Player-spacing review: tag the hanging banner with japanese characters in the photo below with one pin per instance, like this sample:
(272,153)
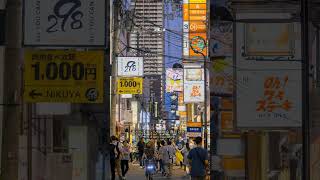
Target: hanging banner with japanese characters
(269,99)
(174,79)
(64,23)
(193,85)
(63,76)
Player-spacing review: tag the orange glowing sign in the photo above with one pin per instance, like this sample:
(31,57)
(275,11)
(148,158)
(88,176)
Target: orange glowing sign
(197,18)
(197,12)
(274,95)
(197,1)
(197,27)
(194,124)
(198,44)
(195,21)
(197,6)
(185,12)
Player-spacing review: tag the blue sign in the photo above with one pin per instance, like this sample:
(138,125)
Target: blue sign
(193,129)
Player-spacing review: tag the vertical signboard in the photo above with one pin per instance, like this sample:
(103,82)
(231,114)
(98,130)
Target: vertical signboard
(64,23)
(174,79)
(194,28)
(269,87)
(193,85)
(130,66)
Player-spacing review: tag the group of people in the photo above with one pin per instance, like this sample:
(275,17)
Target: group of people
(192,157)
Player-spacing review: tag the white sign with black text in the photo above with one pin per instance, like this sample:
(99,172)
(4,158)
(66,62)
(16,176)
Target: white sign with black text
(130,66)
(64,23)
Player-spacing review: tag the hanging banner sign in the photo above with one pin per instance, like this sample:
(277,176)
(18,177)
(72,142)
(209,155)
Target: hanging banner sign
(63,76)
(130,66)
(130,85)
(64,23)
(193,85)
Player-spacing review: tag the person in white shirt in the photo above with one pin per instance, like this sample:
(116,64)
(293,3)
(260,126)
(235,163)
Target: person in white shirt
(125,151)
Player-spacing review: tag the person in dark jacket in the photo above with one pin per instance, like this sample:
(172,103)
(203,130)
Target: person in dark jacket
(115,158)
(141,146)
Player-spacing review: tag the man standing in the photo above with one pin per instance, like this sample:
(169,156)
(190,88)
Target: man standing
(198,160)
(141,146)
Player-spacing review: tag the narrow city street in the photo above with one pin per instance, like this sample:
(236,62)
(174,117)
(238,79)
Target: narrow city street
(229,88)
(135,172)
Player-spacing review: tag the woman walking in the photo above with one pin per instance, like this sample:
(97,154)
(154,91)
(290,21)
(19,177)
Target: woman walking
(185,151)
(125,158)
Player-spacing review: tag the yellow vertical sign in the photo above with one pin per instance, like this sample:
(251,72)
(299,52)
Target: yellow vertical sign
(63,76)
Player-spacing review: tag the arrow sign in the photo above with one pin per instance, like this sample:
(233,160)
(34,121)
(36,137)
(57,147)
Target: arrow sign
(33,94)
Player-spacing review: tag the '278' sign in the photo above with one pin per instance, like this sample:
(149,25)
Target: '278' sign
(64,23)
(130,66)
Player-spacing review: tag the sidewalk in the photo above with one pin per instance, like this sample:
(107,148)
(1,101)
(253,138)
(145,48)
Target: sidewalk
(136,173)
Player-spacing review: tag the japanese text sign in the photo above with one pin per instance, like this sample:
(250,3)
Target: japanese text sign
(130,85)
(269,99)
(64,76)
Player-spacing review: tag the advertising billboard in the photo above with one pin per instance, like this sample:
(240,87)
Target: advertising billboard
(64,23)
(174,79)
(63,76)
(130,85)
(269,99)
(195,28)
(194,85)
(130,66)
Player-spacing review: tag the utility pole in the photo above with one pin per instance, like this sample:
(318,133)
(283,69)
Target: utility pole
(205,104)
(305,88)
(12,90)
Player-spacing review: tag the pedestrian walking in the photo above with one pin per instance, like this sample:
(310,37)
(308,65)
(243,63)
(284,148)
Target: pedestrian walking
(115,154)
(141,146)
(185,152)
(170,152)
(198,160)
(125,158)
(161,156)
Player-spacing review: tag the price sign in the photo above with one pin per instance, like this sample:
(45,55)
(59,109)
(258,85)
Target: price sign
(64,22)
(130,85)
(64,76)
